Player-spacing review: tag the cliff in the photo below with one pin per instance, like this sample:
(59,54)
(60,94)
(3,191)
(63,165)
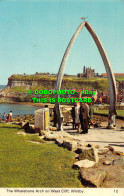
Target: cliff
(30,80)
(18,85)
(47,82)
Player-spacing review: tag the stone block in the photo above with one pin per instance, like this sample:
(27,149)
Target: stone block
(92,177)
(70,145)
(80,149)
(59,141)
(90,154)
(102,151)
(23,123)
(42,118)
(52,128)
(107,162)
(84,163)
(110,148)
(97,146)
(49,136)
(119,161)
(118,153)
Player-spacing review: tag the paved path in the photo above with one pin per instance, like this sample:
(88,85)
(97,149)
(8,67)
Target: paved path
(100,136)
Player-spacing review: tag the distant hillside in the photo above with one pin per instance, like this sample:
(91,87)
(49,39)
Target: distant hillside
(19,85)
(23,82)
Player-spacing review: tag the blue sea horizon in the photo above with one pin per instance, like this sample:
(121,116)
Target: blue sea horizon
(2,86)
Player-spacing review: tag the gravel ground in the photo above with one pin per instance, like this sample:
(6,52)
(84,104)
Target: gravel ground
(101,136)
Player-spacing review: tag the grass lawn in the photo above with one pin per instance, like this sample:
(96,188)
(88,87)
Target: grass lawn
(26,164)
(119,112)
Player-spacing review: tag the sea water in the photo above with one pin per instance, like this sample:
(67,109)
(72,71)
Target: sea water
(17,109)
(2,86)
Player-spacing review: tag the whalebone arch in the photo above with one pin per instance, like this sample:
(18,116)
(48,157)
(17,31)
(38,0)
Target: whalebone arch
(111,78)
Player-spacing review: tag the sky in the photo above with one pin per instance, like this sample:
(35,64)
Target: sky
(34,35)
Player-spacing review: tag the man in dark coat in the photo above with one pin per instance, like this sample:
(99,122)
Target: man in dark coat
(84,117)
(55,117)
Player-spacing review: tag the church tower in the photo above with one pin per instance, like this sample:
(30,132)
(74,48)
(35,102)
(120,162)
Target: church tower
(84,69)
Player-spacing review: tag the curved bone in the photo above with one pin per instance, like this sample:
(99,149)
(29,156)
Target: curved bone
(61,71)
(111,79)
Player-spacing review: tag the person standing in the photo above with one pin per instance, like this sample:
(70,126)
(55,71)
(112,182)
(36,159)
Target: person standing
(10,116)
(73,116)
(4,116)
(84,117)
(77,114)
(91,112)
